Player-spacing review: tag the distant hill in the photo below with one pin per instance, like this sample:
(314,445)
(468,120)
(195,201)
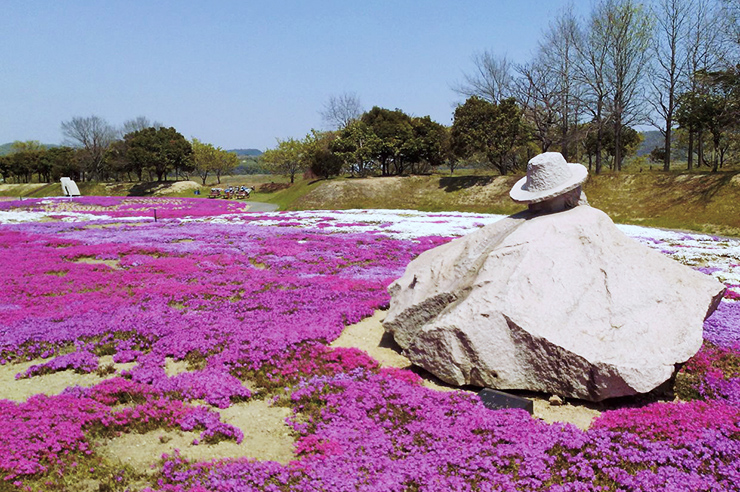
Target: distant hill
(5,148)
(247,152)
(652,139)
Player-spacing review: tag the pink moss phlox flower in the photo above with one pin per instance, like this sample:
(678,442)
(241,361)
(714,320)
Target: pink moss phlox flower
(81,361)
(722,328)
(37,434)
(262,295)
(659,421)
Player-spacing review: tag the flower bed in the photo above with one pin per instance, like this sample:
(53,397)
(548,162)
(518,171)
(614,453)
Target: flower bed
(250,303)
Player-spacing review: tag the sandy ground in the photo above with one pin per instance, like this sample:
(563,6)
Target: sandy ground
(49,384)
(370,336)
(21,189)
(266,437)
(266,434)
(176,187)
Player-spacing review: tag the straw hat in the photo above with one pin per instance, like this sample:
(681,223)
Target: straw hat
(548,176)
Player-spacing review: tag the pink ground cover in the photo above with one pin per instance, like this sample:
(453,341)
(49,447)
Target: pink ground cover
(114,206)
(259,301)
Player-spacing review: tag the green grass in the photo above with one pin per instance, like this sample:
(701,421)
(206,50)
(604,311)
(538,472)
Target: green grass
(699,201)
(283,198)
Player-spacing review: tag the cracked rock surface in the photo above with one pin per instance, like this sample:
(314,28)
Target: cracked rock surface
(563,303)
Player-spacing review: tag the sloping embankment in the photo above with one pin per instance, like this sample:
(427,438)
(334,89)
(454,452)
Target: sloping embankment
(702,202)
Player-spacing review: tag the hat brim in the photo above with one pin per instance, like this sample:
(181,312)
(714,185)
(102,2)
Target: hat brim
(521,195)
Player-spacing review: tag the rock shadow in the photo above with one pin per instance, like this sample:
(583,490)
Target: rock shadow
(457,183)
(145,189)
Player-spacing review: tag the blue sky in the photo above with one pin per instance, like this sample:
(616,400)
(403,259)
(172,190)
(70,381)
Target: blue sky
(240,74)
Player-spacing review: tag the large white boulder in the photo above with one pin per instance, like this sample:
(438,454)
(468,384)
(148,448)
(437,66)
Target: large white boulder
(562,303)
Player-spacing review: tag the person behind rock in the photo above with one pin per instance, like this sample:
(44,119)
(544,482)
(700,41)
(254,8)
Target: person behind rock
(553,299)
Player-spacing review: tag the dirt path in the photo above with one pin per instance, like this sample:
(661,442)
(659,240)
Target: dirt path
(262,207)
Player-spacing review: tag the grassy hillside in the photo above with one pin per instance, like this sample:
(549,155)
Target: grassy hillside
(701,202)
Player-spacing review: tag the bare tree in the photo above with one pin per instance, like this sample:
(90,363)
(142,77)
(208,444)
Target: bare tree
(339,111)
(731,14)
(557,53)
(139,123)
(592,45)
(668,70)
(706,48)
(93,135)
(537,91)
(627,57)
(492,80)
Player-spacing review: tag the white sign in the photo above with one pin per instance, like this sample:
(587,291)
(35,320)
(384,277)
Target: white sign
(69,187)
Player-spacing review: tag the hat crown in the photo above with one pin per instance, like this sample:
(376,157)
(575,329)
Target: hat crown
(546,171)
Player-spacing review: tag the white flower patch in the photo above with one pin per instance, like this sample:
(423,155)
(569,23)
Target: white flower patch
(719,257)
(20,216)
(399,224)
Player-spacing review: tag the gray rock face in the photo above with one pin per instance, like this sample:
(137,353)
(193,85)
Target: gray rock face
(563,303)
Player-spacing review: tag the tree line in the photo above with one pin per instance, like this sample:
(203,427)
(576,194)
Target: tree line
(97,151)
(668,63)
(671,64)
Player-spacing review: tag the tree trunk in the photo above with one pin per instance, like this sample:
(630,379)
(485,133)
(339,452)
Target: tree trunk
(690,163)
(667,147)
(599,136)
(618,144)
(715,157)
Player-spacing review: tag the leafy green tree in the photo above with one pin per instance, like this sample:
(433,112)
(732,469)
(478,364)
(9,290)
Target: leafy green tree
(657,155)
(630,142)
(5,163)
(62,162)
(117,160)
(393,130)
(318,156)
(205,158)
(492,129)
(355,145)
(429,146)
(225,163)
(25,159)
(26,146)
(702,112)
(285,159)
(158,151)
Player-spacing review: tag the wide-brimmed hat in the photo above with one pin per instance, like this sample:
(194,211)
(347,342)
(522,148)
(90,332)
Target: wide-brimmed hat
(548,176)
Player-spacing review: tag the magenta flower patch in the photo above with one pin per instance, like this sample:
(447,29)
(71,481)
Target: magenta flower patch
(247,304)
